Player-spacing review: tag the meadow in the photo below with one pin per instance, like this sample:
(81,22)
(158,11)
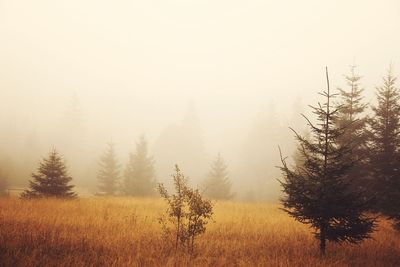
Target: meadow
(126,232)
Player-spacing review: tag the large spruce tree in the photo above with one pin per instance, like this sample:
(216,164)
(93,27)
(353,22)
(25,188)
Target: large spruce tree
(217,185)
(351,116)
(51,179)
(108,174)
(384,144)
(139,176)
(318,193)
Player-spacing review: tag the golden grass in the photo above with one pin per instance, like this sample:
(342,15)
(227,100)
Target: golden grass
(125,232)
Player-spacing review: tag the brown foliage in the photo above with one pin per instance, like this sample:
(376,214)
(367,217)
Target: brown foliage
(188,212)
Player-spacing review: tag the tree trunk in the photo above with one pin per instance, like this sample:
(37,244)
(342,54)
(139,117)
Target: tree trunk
(192,245)
(178,229)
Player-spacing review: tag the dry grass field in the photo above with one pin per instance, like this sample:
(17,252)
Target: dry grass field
(125,232)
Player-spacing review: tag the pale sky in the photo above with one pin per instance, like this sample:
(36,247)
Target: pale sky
(136,65)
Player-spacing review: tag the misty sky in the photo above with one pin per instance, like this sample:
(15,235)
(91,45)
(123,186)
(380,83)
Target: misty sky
(136,66)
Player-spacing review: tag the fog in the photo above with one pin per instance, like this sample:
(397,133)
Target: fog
(197,78)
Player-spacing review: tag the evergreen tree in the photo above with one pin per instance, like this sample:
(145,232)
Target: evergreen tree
(108,174)
(296,122)
(384,147)
(139,173)
(351,116)
(298,154)
(319,194)
(182,142)
(51,180)
(217,185)
(258,161)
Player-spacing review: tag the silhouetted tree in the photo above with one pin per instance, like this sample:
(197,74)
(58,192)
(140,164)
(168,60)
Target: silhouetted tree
(139,173)
(319,194)
(217,185)
(384,144)
(108,174)
(351,116)
(75,144)
(296,122)
(182,142)
(51,180)
(298,155)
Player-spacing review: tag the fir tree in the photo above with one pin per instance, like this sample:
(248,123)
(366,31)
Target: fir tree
(258,160)
(139,173)
(319,194)
(51,179)
(298,154)
(384,147)
(351,116)
(108,174)
(217,185)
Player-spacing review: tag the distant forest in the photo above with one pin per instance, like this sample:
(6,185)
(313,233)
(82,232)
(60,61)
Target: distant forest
(372,131)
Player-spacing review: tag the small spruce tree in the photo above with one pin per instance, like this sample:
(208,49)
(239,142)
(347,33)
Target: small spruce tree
(51,179)
(318,194)
(108,174)
(217,185)
(139,173)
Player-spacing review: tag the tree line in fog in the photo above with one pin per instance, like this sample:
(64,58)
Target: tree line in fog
(137,177)
(345,172)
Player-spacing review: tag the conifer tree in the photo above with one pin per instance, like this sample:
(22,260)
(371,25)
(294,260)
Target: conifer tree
(319,194)
(298,154)
(384,144)
(51,179)
(139,176)
(217,185)
(351,116)
(108,174)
